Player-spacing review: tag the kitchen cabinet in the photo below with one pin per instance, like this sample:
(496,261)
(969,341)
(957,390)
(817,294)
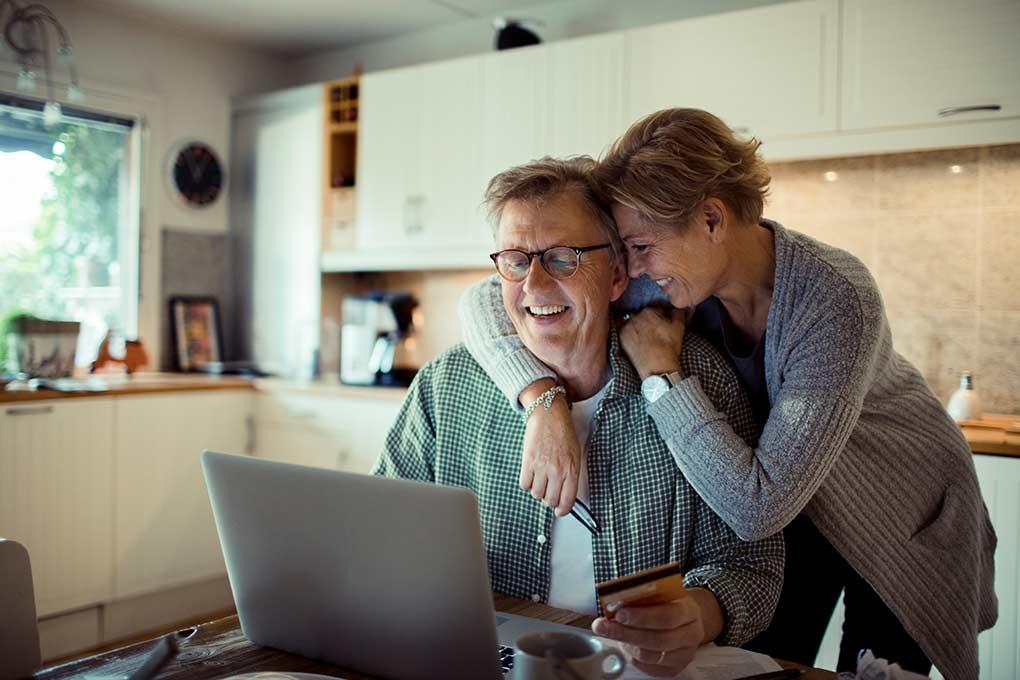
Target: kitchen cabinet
(908,62)
(164,532)
(389,210)
(56,496)
(999,477)
(585,95)
(277,212)
(323,429)
(770,72)
(514,105)
(450,183)
(420,186)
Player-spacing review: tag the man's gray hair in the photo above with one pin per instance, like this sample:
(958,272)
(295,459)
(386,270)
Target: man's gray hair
(546,178)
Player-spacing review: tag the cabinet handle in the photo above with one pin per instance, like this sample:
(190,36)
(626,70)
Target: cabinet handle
(954,110)
(249,444)
(30,411)
(413,217)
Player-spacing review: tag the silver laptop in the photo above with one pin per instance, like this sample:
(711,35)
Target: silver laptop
(382,576)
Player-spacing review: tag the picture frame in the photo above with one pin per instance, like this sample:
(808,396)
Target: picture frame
(196,331)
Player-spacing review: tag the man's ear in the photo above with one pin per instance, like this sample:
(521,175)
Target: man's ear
(715,218)
(619,280)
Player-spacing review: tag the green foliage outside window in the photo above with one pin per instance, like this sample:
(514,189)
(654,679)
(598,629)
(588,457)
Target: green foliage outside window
(74,247)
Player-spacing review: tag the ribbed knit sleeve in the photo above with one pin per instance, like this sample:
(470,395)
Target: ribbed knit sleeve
(826,359)
(492,340)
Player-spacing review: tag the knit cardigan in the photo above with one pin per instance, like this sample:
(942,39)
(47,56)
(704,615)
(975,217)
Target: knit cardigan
(854,438)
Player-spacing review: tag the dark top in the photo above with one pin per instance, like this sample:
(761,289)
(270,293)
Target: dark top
(712,322)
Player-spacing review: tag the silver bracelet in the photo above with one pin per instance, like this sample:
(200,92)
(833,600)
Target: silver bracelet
(545,399)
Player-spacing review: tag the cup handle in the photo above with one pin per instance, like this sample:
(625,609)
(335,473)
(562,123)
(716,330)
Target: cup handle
(621,663)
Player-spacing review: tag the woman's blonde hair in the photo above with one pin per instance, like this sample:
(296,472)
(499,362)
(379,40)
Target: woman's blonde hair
(669,162)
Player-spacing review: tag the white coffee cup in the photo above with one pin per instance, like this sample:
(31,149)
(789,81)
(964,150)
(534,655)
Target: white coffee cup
(564,656)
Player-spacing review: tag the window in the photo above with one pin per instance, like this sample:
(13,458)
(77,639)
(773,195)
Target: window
(69,220)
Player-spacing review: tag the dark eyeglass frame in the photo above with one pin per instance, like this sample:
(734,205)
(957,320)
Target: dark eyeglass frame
(541,258)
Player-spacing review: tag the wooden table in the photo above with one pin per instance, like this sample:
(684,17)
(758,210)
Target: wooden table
(219,649)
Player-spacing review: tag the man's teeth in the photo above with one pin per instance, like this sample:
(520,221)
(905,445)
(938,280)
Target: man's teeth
(662,282)
(547,311)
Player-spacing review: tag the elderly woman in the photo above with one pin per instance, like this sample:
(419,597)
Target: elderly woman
(857,462)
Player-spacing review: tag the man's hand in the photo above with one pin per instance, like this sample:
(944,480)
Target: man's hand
(663,639)
(550,461)
(652,340)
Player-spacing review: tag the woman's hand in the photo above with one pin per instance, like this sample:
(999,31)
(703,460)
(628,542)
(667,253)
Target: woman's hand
(551,459)
(663,639)
(652,339)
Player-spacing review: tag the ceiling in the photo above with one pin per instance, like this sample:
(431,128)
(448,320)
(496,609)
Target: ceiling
(300,27)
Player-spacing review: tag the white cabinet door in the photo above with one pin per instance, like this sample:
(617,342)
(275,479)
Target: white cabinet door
(55,496)
(323,430)
(513,108)
(586,95)
(999,477)
(164,531)
(295,427)
(906,60)
(280,197)
(768,72)
(449,157)
(390,205)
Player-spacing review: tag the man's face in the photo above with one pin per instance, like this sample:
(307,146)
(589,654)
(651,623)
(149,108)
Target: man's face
(558,319)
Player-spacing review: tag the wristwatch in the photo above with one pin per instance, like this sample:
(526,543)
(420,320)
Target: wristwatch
(654,386)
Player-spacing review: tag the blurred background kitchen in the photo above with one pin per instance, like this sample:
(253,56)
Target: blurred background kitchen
(268,189)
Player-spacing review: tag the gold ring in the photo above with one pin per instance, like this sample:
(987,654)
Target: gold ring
(661,657)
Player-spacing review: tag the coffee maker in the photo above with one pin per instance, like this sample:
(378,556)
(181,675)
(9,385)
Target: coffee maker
(374,339)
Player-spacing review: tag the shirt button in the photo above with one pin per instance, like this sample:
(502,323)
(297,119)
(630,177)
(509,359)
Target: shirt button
(542,539)
(536,598)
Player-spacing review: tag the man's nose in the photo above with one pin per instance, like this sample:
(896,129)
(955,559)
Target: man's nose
(538,278)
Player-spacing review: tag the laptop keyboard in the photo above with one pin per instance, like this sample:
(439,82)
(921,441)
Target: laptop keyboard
(506,658)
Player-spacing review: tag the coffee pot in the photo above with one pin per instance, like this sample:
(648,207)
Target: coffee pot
(374,338)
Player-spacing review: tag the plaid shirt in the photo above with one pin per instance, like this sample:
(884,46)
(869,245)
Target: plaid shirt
(456,428)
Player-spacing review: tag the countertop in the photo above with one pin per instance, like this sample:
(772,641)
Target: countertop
(128,385)
(993,434)
(153,382)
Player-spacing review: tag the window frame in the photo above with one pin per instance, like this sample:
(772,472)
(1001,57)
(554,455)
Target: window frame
(141,191)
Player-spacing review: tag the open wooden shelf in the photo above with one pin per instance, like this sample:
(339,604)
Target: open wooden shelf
(340,131)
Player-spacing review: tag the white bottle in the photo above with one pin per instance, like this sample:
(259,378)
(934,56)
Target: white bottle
(964,403)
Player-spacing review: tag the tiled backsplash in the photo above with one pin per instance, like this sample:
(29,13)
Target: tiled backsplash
(939,230)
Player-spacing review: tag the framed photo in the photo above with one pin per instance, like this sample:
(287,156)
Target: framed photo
(195,327)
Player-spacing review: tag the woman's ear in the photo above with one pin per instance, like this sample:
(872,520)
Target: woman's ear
(716,219)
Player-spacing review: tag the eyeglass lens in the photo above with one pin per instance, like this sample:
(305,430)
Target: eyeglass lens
(560,263)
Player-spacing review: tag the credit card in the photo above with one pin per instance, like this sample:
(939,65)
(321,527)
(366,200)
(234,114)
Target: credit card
(657,585)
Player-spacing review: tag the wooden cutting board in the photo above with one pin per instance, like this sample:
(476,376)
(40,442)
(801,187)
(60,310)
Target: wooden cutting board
(993,433)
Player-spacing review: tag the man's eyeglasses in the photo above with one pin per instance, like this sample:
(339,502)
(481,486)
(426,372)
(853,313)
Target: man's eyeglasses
(560,262)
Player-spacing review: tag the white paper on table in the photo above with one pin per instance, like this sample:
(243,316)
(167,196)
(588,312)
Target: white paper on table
(712,663)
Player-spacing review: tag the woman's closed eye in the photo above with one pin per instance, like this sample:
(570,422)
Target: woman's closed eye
(638,247)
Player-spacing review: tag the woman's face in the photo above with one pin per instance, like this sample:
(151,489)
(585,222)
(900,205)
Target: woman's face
(687,263)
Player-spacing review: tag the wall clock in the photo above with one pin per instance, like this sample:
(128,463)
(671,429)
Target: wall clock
(196,175)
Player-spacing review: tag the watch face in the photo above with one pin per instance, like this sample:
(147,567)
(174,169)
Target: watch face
(654,386)
(197,174)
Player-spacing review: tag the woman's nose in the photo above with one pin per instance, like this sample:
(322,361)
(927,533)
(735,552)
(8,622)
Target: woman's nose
(635,267)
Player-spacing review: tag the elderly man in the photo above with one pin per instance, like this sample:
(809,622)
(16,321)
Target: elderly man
(561,267)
